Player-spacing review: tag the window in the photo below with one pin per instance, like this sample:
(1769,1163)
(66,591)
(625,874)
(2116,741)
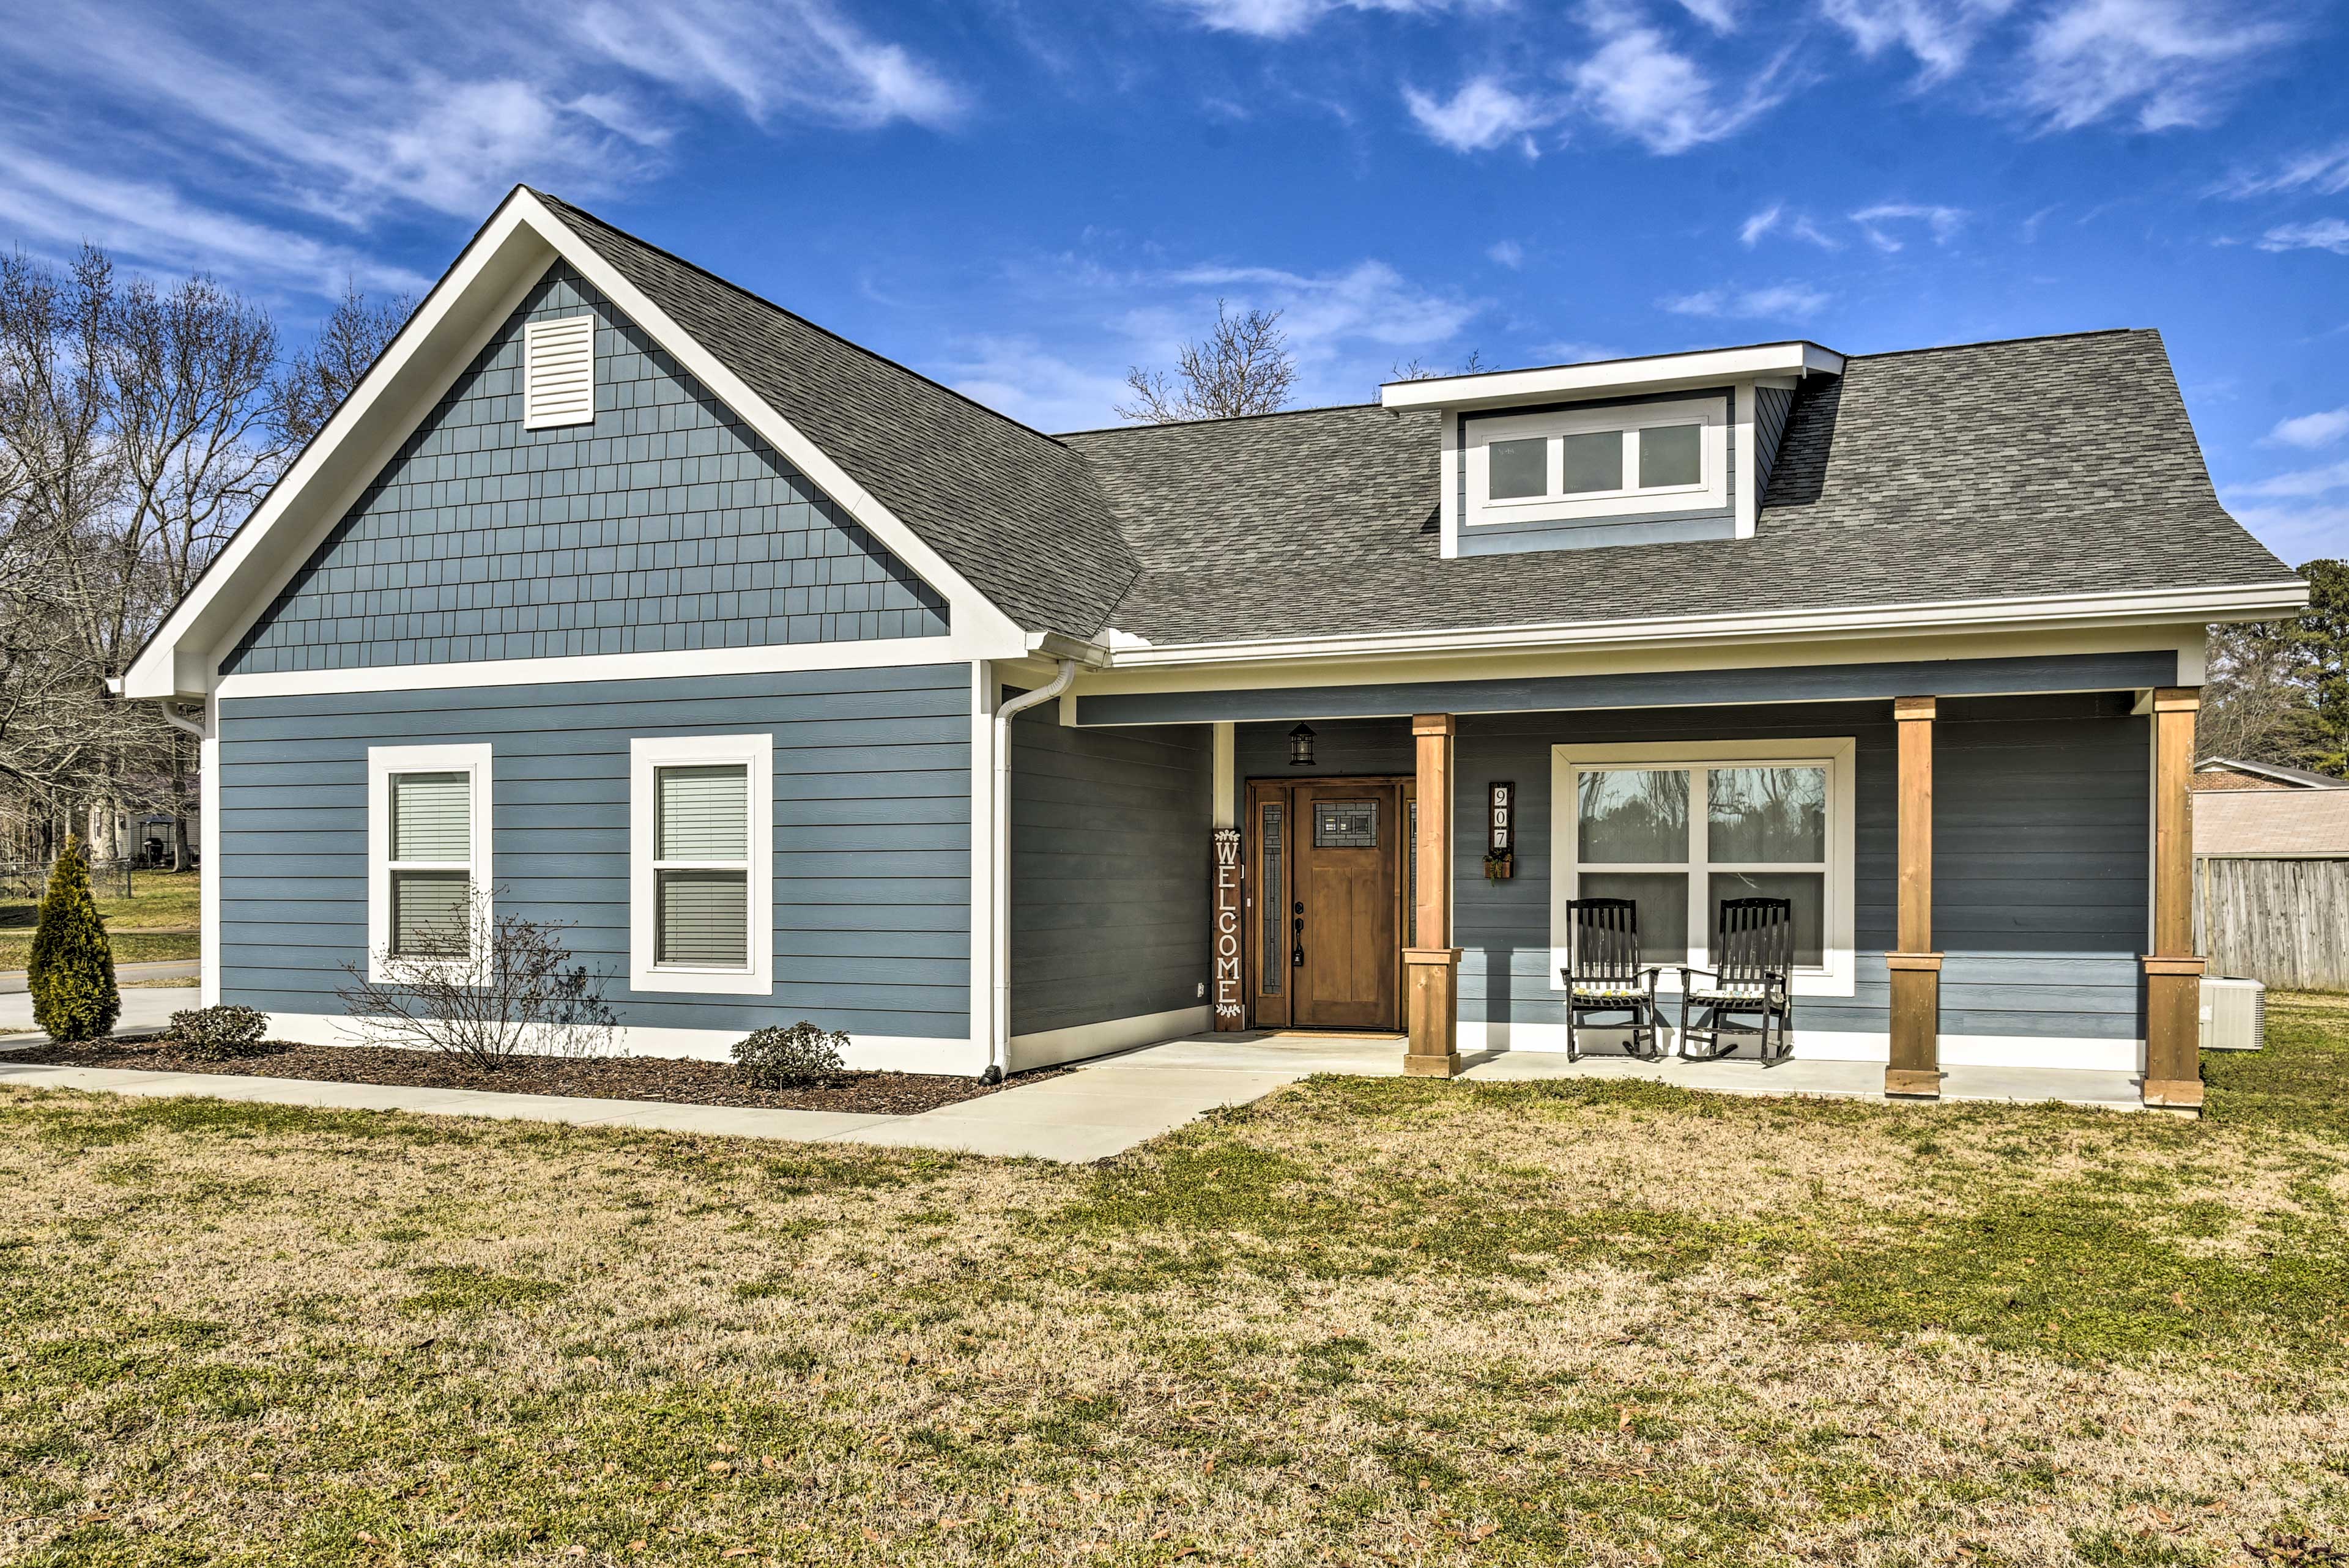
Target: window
(1599,464)
(1346,824)
(702,864)
(428,850)
(1679,829)
(558,372)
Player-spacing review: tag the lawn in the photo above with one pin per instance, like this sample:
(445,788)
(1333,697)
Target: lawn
(158,920)
(1362,1321)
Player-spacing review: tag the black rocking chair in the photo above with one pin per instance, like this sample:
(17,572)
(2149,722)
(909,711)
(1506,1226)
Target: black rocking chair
(1604,975)
(1754,949)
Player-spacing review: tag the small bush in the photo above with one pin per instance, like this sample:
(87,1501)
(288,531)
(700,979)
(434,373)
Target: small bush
(71,971)
(219,1033)
(789,1058)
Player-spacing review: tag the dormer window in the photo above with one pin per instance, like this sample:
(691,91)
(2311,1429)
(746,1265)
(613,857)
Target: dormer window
(1605,463)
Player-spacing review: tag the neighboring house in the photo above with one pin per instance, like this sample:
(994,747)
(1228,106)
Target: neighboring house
(604,548)
(2221,773)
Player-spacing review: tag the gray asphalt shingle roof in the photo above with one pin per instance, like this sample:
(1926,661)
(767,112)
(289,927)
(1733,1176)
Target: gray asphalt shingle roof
(1014,511)
(2043,466)
(2026,468)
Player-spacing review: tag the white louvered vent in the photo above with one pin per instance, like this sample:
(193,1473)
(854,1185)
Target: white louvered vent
(558,376)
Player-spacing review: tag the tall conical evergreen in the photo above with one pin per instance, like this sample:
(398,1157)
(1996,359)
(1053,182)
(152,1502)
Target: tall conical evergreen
(71,976)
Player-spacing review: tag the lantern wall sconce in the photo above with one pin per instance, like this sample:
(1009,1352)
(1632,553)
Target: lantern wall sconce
(1300,746)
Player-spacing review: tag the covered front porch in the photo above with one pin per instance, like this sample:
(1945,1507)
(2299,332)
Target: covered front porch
(1985,861)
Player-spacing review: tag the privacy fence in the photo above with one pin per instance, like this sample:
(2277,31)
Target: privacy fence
(2283,922)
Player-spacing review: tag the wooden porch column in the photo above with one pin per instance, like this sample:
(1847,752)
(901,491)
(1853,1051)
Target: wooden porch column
(2173,975)
(1916,1067)
(1431,961)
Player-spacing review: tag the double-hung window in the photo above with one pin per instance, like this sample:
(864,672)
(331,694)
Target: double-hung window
(1679,829)
(428,853)
(702,864)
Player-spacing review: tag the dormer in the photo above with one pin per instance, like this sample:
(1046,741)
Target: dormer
(1654,450)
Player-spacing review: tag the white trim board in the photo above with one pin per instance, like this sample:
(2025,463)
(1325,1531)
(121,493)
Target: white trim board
(866,1053)
(488,281)
(1048,1048)
(876,652)
(1843,1046)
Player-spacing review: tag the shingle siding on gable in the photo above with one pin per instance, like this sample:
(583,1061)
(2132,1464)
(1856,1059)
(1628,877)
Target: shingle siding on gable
(1770,407)
(666,525)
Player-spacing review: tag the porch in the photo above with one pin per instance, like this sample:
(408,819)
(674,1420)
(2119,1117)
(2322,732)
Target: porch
(1415,870)
(1295,1055)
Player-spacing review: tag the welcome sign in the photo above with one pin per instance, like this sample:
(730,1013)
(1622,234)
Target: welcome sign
(1231,1012)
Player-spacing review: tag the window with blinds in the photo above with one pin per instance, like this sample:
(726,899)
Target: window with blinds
(701,866)
(431,863)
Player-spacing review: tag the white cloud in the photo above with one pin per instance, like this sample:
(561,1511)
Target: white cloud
(2324,172)
(1481,116)
(1288,18)
(1507,253)
(2300,483)
(2311,431)
(2298,533)
(272,116)
(1774,219)
(1795,301)
(1940,34)
(2158,63)
(1721,16)
(1639,85)
(1369,302)
(2320,235)
(799,58)
(1015,375)
(1749,234)
(1572,352)
(1874,223)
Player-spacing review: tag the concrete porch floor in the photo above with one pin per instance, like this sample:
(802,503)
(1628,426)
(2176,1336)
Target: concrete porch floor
(1298,1054)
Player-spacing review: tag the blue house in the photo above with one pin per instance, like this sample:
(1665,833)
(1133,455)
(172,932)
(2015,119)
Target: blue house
(801,687)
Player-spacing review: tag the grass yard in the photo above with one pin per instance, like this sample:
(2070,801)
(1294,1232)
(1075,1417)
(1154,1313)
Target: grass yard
(1362,1322)
(158,920)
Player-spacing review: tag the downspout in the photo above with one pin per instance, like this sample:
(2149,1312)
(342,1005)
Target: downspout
(999,1033)
(170,708)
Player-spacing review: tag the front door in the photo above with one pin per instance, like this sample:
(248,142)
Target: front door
(1345,908)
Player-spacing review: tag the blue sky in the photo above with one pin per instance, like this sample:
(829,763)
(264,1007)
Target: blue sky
(1023,198)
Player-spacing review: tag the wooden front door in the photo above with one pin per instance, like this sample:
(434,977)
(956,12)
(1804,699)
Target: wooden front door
(1326,858)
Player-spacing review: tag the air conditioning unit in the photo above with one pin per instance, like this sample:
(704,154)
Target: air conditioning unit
(2234,1014)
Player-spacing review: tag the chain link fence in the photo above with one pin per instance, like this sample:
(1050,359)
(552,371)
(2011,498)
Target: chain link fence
(30,879)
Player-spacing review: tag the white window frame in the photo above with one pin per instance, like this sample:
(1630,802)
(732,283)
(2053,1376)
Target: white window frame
(1835,977)
(1711,415)
(385,763)
(562,335)
(647,754)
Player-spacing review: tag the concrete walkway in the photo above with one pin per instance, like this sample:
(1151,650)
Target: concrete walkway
(145,1008)
(12,981)
(1103,1109)
(1082,1116)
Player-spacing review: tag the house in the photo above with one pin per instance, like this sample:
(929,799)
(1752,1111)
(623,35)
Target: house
(2220,773)
(803,686)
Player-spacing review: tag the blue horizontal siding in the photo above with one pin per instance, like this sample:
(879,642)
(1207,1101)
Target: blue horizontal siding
(2039,842)
(872,835)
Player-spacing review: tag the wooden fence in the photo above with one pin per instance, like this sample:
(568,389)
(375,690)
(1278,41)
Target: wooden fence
(2283,922)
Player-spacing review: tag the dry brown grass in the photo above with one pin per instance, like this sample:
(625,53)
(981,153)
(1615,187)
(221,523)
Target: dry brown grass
(1362,1322)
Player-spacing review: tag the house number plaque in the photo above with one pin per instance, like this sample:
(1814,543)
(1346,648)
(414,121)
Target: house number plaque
(1500,831)
(1230,1012)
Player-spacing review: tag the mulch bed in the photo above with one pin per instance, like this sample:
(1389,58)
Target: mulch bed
(666,1078)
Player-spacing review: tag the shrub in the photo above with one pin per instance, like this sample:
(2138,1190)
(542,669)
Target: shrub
(71,972)
(778,1058)
(219,1033)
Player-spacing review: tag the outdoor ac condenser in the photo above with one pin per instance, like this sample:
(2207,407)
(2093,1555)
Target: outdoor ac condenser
(2234,1014)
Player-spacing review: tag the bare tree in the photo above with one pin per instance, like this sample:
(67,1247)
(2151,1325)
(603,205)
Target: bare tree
(2257,706)
(502,985)
(319,376)
(1416,369)
(1243,366)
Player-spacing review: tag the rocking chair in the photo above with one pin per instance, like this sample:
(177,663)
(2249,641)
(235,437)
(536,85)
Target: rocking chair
(1755,948)
(1604,975)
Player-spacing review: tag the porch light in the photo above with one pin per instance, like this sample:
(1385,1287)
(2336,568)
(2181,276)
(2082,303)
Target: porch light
(1300,746)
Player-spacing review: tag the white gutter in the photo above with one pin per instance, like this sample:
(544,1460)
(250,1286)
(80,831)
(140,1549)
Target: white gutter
(999,1031)
(170,708)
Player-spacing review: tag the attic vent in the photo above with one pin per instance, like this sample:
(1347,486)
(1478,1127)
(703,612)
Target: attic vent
(558,377)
